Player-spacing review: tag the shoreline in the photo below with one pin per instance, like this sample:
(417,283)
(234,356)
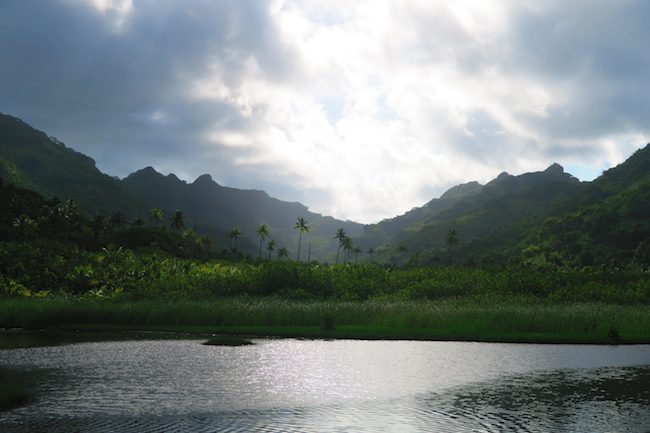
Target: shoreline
(73,334)
(466,320)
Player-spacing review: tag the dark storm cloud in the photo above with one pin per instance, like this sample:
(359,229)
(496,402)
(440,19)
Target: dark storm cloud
(67,69)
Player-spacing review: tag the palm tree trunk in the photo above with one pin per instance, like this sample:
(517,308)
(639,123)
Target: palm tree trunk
(337,254)
(299,242)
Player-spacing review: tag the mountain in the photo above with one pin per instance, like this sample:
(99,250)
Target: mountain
(391,227)
(607,223)
(214,206)
(31,159)
(545,218)
(489,219)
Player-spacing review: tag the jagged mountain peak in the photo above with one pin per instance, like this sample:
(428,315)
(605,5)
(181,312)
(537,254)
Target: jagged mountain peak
(204,180)
(504,175)
(175,178)
(554,168)
(148,171)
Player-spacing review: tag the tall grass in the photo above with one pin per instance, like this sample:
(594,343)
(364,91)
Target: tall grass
(450,318)
(48,287)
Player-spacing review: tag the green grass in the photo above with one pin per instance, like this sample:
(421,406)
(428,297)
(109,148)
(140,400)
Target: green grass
(477,319)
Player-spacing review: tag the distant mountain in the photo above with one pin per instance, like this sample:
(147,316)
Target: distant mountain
(489,219)
(391,227)
(31,159)
(546,217)
(214,206)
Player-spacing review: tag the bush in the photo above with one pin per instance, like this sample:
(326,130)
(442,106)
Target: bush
(51,268)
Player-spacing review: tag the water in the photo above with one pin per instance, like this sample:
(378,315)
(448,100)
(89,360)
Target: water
(303,386)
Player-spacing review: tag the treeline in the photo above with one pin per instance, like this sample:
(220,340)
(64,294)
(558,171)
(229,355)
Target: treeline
(27,217)
(50,249)
(53,269)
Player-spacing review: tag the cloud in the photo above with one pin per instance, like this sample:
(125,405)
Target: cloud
(358,109)
(122,94)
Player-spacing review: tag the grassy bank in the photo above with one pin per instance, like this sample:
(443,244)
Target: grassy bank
(480,319)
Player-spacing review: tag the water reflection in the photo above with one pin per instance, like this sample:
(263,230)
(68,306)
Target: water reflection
(290,385)
(609,399)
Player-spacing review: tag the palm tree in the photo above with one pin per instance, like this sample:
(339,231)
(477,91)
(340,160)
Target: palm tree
(263,232)
(70,209)
(177,220)
(356,252)
(98,225)
(340,235)
(117,221)
(234,234)
(347,247)
(302,227)
(156,215)
(205,242)
(270,246)
(370,251)
(70,213)
(282,253)
(191,238)
(25,225)
(189,235)
(55,215)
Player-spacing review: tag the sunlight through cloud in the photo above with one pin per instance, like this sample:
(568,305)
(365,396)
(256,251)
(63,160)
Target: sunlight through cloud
(366,109)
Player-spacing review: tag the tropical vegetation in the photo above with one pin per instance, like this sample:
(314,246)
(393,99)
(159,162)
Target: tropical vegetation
(533,257)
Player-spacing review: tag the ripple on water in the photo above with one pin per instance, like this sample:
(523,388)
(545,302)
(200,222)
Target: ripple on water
(318,386)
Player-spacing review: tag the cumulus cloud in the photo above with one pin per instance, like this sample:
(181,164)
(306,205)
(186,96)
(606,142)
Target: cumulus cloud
(358,109)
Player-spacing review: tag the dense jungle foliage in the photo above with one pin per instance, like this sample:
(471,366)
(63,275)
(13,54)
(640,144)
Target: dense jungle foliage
(52,249)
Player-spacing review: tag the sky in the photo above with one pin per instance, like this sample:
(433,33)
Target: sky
(358,109)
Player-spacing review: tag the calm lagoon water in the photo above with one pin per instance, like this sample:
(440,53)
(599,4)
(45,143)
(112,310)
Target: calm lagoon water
(303,386)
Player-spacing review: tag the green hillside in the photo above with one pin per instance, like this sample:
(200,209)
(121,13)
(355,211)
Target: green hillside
(30,158)
(544,218)
(489,221)
(214,206)
(608,223)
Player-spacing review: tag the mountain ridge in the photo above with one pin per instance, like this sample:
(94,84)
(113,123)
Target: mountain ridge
(500,219)
(32,159)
